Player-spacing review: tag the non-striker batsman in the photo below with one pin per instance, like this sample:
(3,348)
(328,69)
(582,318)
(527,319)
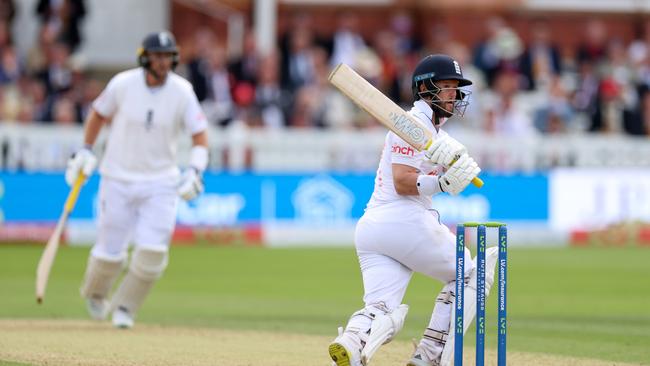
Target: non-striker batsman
(401,233)
(145,108)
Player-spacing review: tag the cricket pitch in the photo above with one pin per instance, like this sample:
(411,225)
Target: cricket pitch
(66,342)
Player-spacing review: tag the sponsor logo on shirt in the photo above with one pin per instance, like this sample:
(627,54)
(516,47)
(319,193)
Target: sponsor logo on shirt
(404,150)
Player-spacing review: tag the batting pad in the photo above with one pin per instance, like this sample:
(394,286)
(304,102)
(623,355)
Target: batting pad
(100,277)
(384,327)
(147,266)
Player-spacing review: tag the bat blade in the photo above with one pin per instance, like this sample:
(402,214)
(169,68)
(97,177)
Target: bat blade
(52,246)
(371,100)
(47,259)
(389,114)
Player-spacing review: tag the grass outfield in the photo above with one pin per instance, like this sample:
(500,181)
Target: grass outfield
(586,302)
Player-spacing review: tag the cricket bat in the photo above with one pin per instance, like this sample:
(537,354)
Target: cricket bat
(49,253)
(389,114)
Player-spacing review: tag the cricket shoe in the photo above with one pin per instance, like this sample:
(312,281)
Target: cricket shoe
(122,318)
(421,357)
(97,308)
(345,350)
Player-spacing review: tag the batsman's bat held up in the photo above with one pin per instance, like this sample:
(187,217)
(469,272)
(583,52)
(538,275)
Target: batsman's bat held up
(389,114)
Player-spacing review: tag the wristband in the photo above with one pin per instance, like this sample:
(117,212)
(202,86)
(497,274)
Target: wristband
(199,157)
(428,185)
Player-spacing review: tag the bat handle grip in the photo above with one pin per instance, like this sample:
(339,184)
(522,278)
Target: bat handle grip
(74,193)
(477,182)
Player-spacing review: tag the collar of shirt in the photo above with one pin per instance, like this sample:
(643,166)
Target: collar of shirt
(424,108)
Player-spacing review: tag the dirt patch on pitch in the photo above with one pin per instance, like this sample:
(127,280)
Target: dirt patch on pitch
(59,342)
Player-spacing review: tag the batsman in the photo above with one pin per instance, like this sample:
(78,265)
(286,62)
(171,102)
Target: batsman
(401,233)
(145,108)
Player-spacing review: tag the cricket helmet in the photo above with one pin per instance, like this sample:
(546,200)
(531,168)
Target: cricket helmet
(435,68)
(163,42)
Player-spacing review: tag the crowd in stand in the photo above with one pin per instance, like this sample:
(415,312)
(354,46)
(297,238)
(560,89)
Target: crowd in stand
(45,84)
(520,88)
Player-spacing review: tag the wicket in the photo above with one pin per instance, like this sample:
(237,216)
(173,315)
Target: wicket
(480,291)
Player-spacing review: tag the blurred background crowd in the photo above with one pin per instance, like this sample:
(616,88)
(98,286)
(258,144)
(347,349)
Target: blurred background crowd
(525,82)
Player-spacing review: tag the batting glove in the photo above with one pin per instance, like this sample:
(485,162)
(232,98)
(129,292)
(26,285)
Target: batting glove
(191,184)
(444,150)
(459,175)
(81,162)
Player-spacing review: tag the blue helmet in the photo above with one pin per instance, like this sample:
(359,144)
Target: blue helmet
(162,41)
(435,68)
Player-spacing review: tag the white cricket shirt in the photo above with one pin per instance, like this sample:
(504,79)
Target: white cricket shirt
(397,151)
(145,125)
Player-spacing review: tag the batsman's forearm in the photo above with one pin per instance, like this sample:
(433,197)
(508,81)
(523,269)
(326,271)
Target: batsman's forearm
(200,139)
(92,126)
(406,185)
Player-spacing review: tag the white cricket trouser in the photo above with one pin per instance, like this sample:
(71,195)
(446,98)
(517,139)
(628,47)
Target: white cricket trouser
(142,213)
(393,242)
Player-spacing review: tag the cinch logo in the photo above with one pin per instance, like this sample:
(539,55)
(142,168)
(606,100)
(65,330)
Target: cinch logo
(404,150)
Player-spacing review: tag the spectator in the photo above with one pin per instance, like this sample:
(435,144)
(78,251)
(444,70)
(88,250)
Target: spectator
(7,14)
(90,91)
(37,95)
(555,113)
(593,47)
(272,101)
(501,49)
(438,36)
(620,70)
(219,102)
(639,49)
(63,17)
(585,98)
(37,54)
(313,101)
(387,47)
(540,62)
(609,116)
(617,96)
(245,67)
(198,64)
(298,69)
(64,112)
(10,69)
(295,47)
(7,11)
(9,103)
(641,123)
(407,42)
(57,74)
(506,114)
(347,42)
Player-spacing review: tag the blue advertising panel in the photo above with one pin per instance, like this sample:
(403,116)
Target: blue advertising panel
(234,199)
(37,197)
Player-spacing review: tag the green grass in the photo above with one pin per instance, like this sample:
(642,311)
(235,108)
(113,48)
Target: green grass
(583,302)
